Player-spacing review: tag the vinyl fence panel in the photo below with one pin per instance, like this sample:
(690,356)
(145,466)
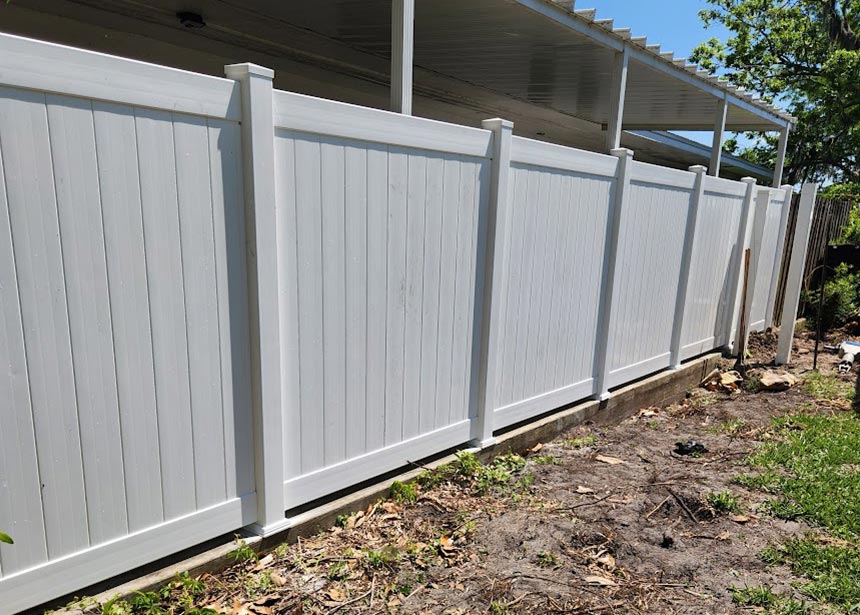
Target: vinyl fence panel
(711,294)
(379,267)
(560,199)
(123,420)
(648,267)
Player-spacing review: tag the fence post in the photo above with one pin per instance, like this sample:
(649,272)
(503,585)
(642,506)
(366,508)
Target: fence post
(603,354)
(737,263)
(494,273)
(762,202)
(686,262)
(258,161)
(794,280)
(777,259)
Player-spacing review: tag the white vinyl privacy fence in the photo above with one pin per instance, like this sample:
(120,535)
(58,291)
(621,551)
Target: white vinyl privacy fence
(220,302)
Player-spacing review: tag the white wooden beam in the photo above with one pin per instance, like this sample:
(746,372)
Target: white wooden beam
(402,39)
(616,99)
(719,130)
(780,157)
(794,280)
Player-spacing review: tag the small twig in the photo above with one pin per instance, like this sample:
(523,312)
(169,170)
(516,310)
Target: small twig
(658,507)
(372,590)
(684,506)
(353,601)
(575,506)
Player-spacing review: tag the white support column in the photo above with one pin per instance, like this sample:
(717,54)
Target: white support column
(762,202)
(686,261)
(780,157)
(605,333)
(402,41)
(258,161)
(616,100)
(719,130)
(780,252)
(491,279)
(737,262)
(794,281)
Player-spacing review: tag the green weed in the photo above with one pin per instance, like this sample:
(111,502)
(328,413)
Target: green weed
(404,493)
(724,502)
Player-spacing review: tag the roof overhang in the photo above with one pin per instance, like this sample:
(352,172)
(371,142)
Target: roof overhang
(532,61)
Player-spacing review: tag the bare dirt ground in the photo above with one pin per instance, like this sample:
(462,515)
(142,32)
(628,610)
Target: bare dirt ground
(599,520)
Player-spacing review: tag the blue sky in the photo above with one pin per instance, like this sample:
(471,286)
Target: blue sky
(674,24)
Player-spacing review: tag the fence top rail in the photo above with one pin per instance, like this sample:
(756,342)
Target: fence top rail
(48,67)
(336,119)
(645,172)
(539,153)
(725,187)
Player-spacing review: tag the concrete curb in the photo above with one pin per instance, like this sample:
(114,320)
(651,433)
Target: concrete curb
(660,389)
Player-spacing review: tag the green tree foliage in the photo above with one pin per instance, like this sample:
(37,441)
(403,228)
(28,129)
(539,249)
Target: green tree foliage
(805,55)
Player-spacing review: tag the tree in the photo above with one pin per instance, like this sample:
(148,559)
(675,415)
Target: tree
(804,55)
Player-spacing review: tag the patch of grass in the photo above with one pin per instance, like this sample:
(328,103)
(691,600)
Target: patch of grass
(546,559)
(813,466)
(833,570)
(815,456)
(497,607)
(828,387)
(243,551)
(761,481)
(404,493)
(764,599)
(731,427)
(583,441)
(724,502)
(545,460)
(388,555)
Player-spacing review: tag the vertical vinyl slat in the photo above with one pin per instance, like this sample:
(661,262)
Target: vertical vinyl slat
(20,497)
(225,143)
(119,184)
(79,206)
(201,307)
(285,194)
(156,159)
(464,289)
(519,209)
(41,286)
(432,300)
(334,298)
(356,247)
(377,264)
(447,267)
(396,294)
(309,245)
(414,291)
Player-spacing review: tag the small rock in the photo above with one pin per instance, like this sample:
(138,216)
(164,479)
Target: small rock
(668,541)
(690,447)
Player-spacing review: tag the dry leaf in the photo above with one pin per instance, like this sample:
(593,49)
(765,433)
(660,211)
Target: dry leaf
(597,580)
(239,608)
(446,543)
(278,579)
(536,448)
(725,535)
(739,518)
(335,594)
(610,460)
(391,507)
(264,562)
(647,412)
(607,561)
(581,489)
